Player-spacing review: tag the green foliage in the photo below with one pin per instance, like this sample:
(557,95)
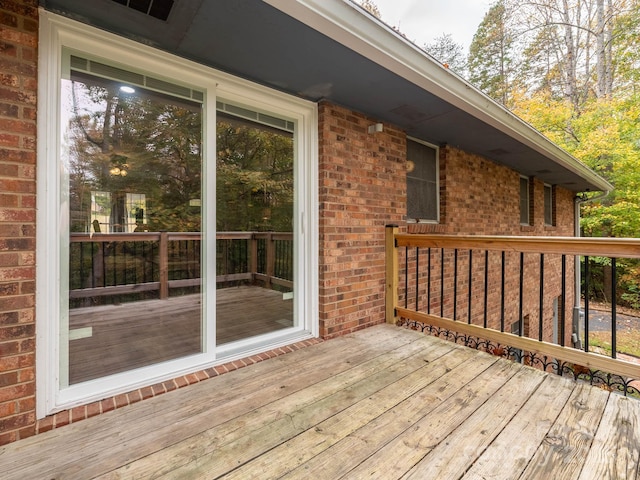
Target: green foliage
(254,178)
(491,55)
(155,141)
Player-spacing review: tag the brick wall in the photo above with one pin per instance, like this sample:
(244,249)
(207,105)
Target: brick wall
(18,63)
(479,197)
(362,188)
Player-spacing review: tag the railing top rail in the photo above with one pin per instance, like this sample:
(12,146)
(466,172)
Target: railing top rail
(587,246)
(78,237)
(114,237)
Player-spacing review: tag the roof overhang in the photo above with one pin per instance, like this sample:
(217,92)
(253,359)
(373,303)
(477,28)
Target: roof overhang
(333,50)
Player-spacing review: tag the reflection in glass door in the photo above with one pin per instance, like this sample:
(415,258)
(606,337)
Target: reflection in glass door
(132,190)
(254,221)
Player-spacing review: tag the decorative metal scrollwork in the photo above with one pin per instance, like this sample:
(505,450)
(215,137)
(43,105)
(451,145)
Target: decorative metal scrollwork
(607,381)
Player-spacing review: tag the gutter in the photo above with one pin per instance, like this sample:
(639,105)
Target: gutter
(577,327)
(347,23)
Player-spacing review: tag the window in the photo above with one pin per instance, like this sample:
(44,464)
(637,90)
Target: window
(136,204)
(548,205)
(524,201)
(422,182)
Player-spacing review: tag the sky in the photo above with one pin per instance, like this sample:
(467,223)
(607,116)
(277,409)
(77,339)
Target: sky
(424,20)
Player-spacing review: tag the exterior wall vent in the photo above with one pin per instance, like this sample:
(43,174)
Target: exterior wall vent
(159,9)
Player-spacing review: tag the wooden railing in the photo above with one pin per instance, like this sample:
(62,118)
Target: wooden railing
(482,287)
(111,264)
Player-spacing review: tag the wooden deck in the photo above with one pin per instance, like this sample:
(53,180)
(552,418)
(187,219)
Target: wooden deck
(133,335)
(382,403)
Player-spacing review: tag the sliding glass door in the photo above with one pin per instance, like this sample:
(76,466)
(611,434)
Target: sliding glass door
(176,217)
(133,161)
(255,249)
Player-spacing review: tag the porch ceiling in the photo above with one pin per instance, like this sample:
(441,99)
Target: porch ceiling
(288,45)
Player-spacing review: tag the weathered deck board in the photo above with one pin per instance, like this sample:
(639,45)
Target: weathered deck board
(380,403)
(564,449)
(523,435)
(187,412)
(616,447)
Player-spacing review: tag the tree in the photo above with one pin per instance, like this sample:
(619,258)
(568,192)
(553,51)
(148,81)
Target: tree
(574,41)
(254,177)
(491,55)
(448,52)
(625,55)
(125,145)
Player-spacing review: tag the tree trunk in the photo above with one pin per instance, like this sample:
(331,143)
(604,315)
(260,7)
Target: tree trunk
(570,66)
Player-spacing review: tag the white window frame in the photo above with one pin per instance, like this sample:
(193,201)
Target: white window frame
(437,155)
(56,33)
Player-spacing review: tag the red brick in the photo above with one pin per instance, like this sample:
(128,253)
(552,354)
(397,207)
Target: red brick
(26,375)
(16,332)
(121,400)
(27,432)
(26,8)
(8,19)
(78,413)
(18,156)
(20,97)
(62,418)
(158,389)
(7,289)
(18,273)
(8,437)
(8,140)
(93,409)
(107,405)
(146,392)
(9,348)
(16,126)
(10,50)
(10,378)
(15,362)
(134,396)
(181,382)
(8,408)
(16,391)
(45,424)
(27,404)
(7,109)
(30,25)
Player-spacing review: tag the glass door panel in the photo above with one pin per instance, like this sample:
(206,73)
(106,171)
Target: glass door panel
(132,190)
(254,221)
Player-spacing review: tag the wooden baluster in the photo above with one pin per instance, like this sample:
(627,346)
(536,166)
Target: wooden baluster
(391,253)
(163,260)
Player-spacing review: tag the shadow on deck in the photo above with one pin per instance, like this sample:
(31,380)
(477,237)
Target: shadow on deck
(381,403)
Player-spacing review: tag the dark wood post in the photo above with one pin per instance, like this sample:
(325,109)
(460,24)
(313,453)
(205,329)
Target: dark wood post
(163,260)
